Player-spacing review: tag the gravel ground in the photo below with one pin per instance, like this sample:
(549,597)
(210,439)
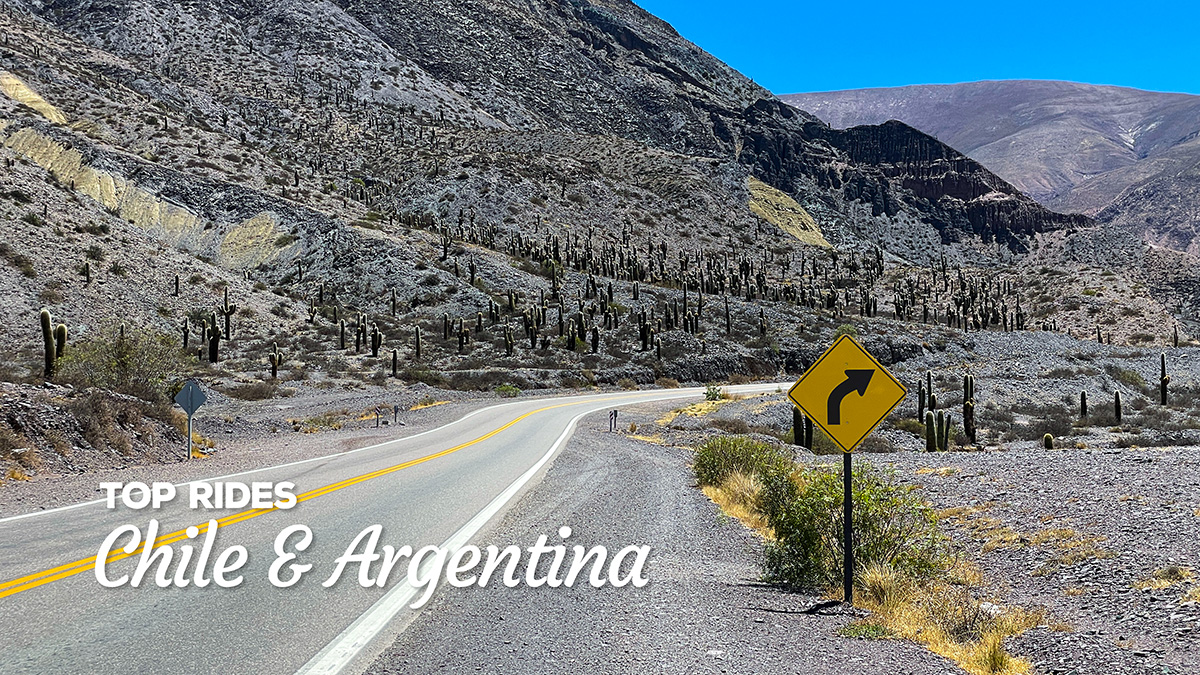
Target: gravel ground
(703,610)
(1138,510)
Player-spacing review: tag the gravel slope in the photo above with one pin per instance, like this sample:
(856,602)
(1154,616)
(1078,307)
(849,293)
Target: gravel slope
(1139,506)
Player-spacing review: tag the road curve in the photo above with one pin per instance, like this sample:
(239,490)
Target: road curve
(434,488)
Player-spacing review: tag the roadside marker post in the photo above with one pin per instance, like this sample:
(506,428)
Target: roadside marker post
(190,398)
(847,393)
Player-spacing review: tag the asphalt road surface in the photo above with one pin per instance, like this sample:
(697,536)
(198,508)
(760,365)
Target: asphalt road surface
(440,487)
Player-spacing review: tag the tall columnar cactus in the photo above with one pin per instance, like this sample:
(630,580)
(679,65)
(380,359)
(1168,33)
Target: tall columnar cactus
(969,407)
(1083,409)
(921,400)
(376,340)
(342,334)
(1048,442)
(214,340)
(808,432)
(931,432)
(417,343)
(943,428)
(797,427)
(395,363)
(275,358)
(54,341)
(227,311)
(1117,406)
(1163,379)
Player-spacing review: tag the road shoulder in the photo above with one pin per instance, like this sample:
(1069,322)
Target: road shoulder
(703,610)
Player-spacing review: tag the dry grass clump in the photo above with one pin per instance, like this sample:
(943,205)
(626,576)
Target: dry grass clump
(915,589)
(1166,577)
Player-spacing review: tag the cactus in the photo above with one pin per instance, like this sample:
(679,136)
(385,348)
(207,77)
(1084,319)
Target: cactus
(808,432)
(921,400)
(931,437)
(342,334)
(595,340)
(969,407)
(943,428)
(1048,442)
(51,351)
(185,328)
(60,341)
(1117,406)
(275,358)
(395,363)
(214,340)
(1163,379)
(228,310)
(1083,410)
(376,340)
(417,342)
(797,427)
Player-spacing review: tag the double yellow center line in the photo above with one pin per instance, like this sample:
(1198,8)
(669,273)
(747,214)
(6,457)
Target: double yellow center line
(31,581)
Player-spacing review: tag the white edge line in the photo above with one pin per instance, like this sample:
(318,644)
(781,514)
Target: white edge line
(59,509)
(276,466)
(344,648)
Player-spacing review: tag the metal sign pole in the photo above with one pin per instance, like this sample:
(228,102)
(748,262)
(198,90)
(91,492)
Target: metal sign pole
(848,527)
(187,446)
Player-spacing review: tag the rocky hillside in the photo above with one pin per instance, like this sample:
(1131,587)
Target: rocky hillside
(1125,156)
(549,193)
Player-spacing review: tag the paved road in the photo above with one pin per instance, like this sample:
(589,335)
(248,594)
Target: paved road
(704,610)
(437,487)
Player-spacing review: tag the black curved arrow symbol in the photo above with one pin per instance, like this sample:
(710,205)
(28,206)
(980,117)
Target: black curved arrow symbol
(856,380)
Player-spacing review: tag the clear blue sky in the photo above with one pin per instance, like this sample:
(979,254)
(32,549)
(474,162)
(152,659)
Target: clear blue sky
(802,46)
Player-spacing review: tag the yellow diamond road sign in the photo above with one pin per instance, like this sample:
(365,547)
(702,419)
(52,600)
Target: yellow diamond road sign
(847,392)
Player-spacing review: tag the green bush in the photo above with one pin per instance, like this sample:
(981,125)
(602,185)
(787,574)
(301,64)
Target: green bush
(712,392)
(845,329)
(144,363)
(892,526)
(721,456)
(507,391)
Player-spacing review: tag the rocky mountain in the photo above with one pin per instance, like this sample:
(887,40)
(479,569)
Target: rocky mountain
(454,182)
(1125,156)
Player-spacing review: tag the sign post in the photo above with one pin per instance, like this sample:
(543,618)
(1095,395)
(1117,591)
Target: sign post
(847,393)
(190,398)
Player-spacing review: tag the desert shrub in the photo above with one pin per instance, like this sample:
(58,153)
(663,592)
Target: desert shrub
(912,426)
(712,392)
(1127,377)
(738,378)
(23,263)
(823,444)
(875,443)
(892,526)
(627,383)
(667,383)
(1053,420)
(144,363)
(721,456)
(734,426)
(507,391)
(845,329)
(257,391)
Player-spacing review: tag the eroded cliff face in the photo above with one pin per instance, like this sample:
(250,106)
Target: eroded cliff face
(895,169)
(599,68)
